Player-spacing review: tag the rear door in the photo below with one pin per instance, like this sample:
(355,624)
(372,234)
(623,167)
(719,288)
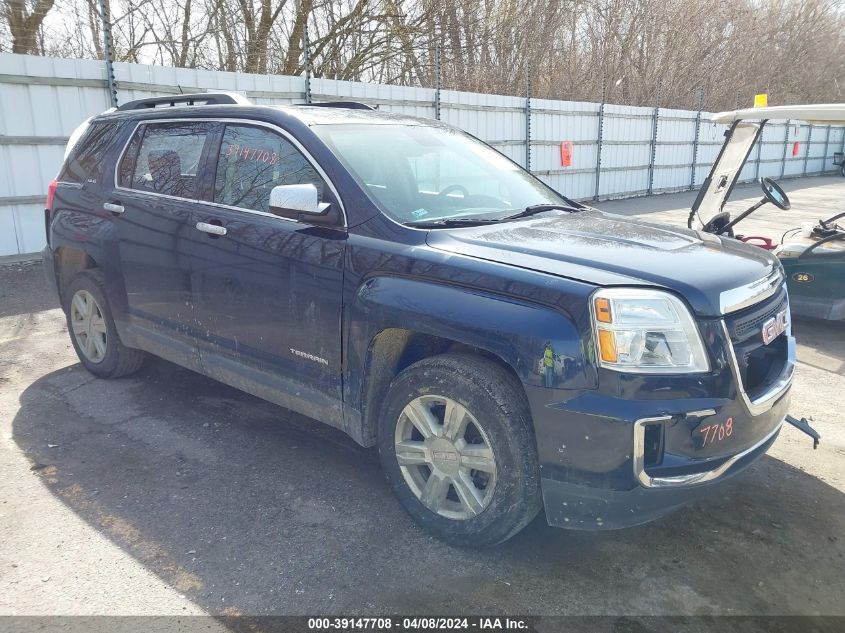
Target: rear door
(267,290)
(160,179)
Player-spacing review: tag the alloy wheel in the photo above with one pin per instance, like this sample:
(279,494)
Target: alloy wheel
(88,325)
(445,457)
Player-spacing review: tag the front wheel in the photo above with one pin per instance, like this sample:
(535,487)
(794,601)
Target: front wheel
(456,446)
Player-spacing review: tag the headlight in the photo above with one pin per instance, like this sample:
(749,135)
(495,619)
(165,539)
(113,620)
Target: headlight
(646,331)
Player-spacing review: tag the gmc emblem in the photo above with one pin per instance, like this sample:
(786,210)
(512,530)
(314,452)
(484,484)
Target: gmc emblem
(775,326)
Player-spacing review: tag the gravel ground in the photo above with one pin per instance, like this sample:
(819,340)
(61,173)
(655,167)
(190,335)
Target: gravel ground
(169,493)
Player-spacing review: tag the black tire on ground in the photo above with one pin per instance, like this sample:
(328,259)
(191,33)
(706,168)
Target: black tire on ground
(496,401)
(117,359)
(842,169)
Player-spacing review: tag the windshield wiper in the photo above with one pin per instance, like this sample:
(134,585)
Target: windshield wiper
(534,209)
(450,222)
(470,221)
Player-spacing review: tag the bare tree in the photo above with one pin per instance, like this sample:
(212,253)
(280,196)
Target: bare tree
(24,20)
(563,49)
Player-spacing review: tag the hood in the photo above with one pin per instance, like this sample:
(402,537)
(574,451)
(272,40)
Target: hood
(612,250)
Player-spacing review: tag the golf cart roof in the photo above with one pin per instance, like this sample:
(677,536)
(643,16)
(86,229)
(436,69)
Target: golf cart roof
(820,113)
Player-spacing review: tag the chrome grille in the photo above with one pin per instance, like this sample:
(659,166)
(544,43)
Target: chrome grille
(746,323)
(759,364)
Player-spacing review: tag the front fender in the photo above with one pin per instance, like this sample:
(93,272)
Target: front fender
(516,331)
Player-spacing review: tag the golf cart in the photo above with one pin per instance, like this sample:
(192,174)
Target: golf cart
(813,257)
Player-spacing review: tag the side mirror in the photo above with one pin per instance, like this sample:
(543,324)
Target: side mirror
(301,203)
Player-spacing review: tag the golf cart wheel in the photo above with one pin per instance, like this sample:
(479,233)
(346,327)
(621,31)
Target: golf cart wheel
(456,445)
(92,330)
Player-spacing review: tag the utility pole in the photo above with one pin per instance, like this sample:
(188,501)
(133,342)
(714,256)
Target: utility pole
(306,60)
(695,140)
(600,137)
(438,79)
(655,118)
(528,122)
(108,52)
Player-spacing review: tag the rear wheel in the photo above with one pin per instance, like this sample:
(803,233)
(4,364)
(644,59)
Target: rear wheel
(92,330)
(456,445)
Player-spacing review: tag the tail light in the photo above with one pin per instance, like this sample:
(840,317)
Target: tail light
(51,193)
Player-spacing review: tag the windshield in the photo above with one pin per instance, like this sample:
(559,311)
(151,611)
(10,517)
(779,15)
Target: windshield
(420,174)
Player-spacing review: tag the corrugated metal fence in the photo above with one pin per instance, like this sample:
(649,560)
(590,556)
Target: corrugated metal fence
(617,151)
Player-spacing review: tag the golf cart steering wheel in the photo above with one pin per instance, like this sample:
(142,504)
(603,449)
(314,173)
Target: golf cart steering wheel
(775,194)
(452,188)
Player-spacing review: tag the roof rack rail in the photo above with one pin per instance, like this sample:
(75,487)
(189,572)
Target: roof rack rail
(351,105)
(199,98)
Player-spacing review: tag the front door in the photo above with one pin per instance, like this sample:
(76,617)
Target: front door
(267,290)
(158,182)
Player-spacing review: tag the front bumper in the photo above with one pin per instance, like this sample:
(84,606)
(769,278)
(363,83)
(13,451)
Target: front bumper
(633,451)
(586,508)
(729,465)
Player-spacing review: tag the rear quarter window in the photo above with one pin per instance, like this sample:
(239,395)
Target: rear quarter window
(87,160)
(166,158)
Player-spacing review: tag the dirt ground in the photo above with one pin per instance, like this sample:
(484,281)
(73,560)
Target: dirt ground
(168,493)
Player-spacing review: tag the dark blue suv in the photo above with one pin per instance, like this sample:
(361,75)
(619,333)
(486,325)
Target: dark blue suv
(507,349)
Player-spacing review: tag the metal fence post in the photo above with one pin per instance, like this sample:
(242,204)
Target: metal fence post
(785,146)
(759,152)
(108,52)
(306,60)
(826,147)
(695,140)
(528,124)
(438,81)
(600,138)
(842,149)
(807,153)
(654,120)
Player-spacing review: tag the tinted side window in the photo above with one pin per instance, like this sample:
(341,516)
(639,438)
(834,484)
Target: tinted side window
(87,159)
(165,158)
(252,161)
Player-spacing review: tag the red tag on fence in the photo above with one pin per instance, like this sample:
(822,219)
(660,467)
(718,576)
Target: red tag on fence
(795,146)
(566,153)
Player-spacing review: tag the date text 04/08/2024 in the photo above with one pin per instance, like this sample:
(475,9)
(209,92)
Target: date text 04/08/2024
(418,623)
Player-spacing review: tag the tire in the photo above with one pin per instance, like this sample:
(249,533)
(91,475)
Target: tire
(842,169)
(97,345)
(470,507)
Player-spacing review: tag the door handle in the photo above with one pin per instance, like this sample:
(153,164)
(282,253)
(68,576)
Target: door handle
(114,208)
(213,229)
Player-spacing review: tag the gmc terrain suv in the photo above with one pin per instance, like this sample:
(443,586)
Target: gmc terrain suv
(507,349)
